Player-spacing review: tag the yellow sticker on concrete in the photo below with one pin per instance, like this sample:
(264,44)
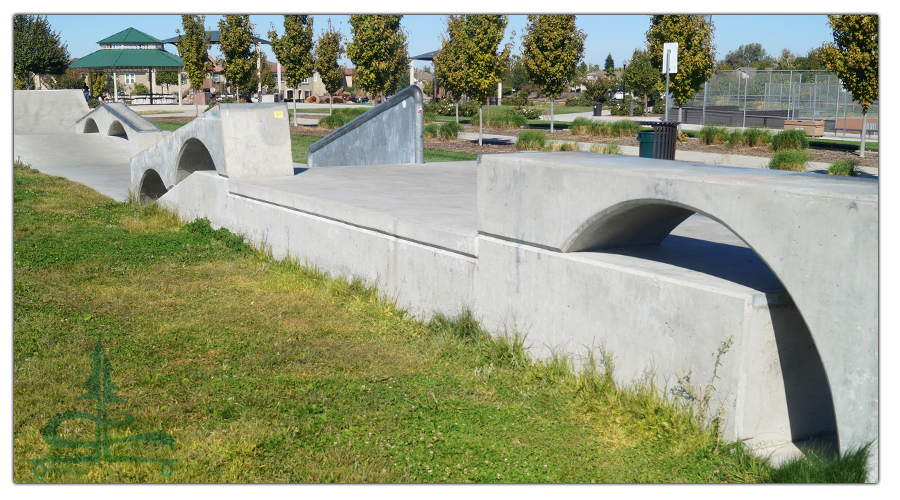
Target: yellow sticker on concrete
(279,114)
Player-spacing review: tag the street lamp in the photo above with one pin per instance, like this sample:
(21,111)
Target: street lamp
(624,65)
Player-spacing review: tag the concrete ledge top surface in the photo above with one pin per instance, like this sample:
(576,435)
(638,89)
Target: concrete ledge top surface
(807,183)
(125,114)
(433,204)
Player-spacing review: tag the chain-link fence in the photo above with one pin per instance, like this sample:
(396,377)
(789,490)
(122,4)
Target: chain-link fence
(746,98)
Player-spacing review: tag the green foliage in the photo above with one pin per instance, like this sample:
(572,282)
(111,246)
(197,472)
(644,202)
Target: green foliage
(294,49)
(849,467)
(530,113)
(333,121)
(203,228)
(505,121)
(581,126)
(790,159)
(431,130)
(450,131)
(70,79)
(235,42)
(696,51)
(640,76)
(516,101)
(37,50)
(330,48)
(531,140)
(166,78)
(621,109)
(515,75)
(552,47)
(844,167)
(790,139)
(611,148)
(853,56)
(378,51)
(609,66)
(751,54)
(193,47)
(140,89)
(448,108)
(755,136)
(659,107)
(713,134)
(596,89)
(578,101)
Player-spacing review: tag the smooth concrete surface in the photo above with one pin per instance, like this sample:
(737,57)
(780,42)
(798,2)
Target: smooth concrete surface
(121,121)
(47,111)
(390,133)
(248,140)
(801,225)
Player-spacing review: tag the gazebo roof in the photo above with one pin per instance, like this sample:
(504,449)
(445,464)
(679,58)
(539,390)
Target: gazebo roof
(130,35)
(129,58)
(214,38)
(428,56)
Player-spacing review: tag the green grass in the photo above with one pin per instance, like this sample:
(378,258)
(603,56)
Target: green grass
(531,140)
(850,467)
(271,371)
(790,159)
(450,131)
(166,125)
(435,155)
(844,167)
(790,139)
(431,130)
(300,144)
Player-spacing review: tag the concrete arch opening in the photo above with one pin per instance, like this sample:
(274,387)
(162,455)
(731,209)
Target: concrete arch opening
(151,187)
(193,157)
(117,130)
(686,238)
(90,127)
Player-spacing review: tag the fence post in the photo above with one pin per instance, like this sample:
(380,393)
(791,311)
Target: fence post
(746,89)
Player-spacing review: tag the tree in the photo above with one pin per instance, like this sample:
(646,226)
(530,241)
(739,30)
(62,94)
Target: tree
(640,76)
(167,78)
(450,62)
(696,52)
(265,78)
(811,61)
(515,75)
(193,47)
(609,67)
(294,51)
(71,79)
(37,50)
(552,46)
(786,59)
(853,57)
(596,88)
(235,39)
(745,55)
(378,50)
(329,48)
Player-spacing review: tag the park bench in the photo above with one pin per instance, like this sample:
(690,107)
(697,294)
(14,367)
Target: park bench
(871,128)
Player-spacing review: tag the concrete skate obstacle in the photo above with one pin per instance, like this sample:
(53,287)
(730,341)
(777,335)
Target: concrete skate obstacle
(118,120)
(40,112)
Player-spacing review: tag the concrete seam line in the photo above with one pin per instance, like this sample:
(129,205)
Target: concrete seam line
(431,246)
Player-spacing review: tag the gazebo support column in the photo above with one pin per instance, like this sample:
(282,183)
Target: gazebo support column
(115,88)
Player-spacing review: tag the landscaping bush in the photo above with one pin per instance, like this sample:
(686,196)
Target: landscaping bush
(431,130)
(516,101)
(531,140)
(790,139)
(449,131)
(529,113)
(429,117)
(140,88)
(660,107)
(432,107)
(447,108)
(624,128)
(579,101)
(713,134)
(844,167)
(755,136)
(334,121)
(610,149)
(505,121)
(734,138)
(563,146)
(93,103)
(790,159)
(581,126)
(622,109)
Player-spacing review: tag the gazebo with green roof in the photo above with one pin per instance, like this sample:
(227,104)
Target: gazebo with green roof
(132,49)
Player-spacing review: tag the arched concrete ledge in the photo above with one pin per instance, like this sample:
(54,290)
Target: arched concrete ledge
(90,127)
(818,234)
(152,187)
(118,120)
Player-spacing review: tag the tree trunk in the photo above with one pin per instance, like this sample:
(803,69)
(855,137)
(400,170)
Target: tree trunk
(551,115)
(479,125)
(862,135)
(295,105)
(330,103)
(456,104)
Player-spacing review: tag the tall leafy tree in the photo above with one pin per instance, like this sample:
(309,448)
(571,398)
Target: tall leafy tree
(378,50)
(193,47)
(696,52)
(552,46)
(640,76)
(609,66)
(516,76)
(235,41)
(37,49)
(329,48)
(745,55)
(294,50)
(167,78)
(811,61)
(853,57)
(450,62)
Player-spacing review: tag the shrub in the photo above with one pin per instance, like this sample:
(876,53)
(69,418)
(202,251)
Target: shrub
(523,94)
(431,130)
(93,103)
(333,121)
(610,149)
(713,134)
(582,126)
(516,101)
(529,113)
(447,108)
(755,136)
(734,138)
(531,140)
(790,159)
(449,131)
(578,101)
(624,128)
(140,88)
(844,167)
(505,121)
(622,109)
(660,107)
(431,107)
(681,137)
(563,146)
(429,117)
(790,139)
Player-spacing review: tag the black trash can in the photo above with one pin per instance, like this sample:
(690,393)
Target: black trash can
(664,136)
(598,109)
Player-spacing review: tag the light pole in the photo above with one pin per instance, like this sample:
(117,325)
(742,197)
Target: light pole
(624,65)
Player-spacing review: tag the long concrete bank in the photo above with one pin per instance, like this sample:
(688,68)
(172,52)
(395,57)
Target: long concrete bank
(38,112)
(583,251)
(118,120)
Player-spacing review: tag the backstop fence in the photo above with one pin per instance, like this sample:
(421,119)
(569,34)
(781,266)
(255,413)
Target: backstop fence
(766,98)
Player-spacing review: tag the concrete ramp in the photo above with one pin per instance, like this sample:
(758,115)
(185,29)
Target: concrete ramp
(41,112)
(389,134)
(234,140)
(121,121)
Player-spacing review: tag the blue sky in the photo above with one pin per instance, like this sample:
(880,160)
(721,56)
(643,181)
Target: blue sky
(617,34)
